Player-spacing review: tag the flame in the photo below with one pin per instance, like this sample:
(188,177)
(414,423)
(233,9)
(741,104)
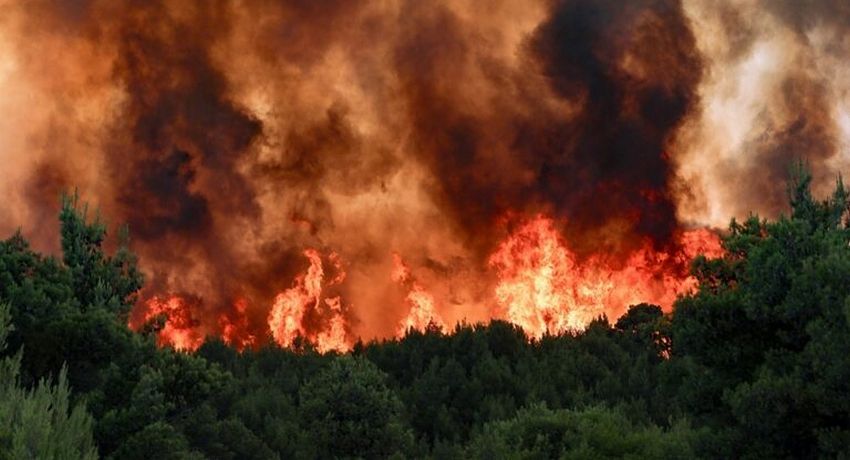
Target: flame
(234,326)
(422,314)
(287,320)
(292,306)
(232,148)
(334,337)
(544,289)
(542,286)
(180,329)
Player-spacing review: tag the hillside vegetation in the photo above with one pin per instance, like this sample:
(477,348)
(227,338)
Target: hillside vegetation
(754,364)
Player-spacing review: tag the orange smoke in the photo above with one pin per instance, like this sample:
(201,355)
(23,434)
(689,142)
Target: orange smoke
(544,289)
(230,145)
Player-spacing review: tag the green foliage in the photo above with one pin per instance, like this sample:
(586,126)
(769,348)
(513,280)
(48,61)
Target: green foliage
(98,280)
(768,331)
(755,364)
(40,423)
(597,432)
(158,440)
(348,411)
(37,288)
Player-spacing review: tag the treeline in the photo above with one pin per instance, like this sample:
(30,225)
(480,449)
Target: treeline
(755,364)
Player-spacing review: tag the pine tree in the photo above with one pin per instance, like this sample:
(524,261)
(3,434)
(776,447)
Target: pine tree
(39,423)
(99,279)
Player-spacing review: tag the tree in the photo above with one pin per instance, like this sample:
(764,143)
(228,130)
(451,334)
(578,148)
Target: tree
(98,279)
(37,288)
(39,423)
(537,432)
(349,412)
(767,332)
(647,327)
(158,440)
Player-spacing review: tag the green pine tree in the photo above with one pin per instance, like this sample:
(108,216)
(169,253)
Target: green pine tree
(39,423)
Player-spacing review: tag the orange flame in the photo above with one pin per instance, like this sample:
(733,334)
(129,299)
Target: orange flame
(543,288)
(422,313)
(334,337)
(287,317)
(180,329)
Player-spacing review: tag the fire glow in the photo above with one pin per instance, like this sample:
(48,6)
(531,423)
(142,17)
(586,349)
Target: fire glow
(541,286)
(326,172)
(544,289)
(308,297)
(422,313)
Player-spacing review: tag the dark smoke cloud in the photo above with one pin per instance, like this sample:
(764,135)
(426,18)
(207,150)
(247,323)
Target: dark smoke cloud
(631,72)
(232,135)
(175,154)
(637,70)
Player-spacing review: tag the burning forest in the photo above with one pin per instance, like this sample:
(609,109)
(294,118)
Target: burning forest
(438,229)
(338,171)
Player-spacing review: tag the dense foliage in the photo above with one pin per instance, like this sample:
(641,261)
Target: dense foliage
(755,364)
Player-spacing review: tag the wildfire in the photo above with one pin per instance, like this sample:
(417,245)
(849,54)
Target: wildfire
(334,336)
(543,288)
(179,329)
(422,313)
(237,145)
(289,313)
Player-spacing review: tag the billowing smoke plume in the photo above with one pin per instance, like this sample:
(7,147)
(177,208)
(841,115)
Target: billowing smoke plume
(580,126)
(775,91)
(233,136)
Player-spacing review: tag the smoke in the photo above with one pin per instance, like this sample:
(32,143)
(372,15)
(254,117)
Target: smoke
(775,92)
(578,124)
(231,136)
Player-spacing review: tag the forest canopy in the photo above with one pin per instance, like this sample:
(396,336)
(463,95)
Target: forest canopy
(754,363)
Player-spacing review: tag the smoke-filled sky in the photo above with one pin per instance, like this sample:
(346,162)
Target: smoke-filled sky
(232,135)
